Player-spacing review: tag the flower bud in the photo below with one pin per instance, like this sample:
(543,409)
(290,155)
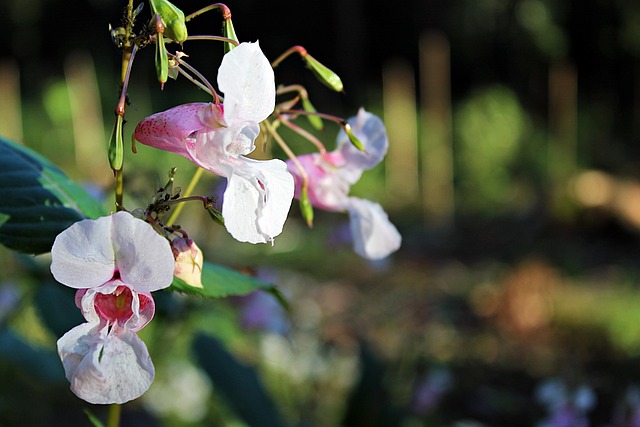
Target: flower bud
(229,33)
(116,145)
(189,261)
(305,206)
(352,137)
(162,61)
(325,75)
(315,121)
(173,19)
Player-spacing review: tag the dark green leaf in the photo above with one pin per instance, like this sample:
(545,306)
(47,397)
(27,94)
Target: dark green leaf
(41,364)
(220,282)
(37,200)
(237,383)
(57,308)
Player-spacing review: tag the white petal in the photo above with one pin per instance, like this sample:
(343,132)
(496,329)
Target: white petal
(105,369)
(370,130)
(143,257)
(257,200)
(82,255)
(374,236)
(247,81)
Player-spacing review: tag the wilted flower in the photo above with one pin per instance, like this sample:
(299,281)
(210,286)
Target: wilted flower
(115,262)
(332,174)
(217,137)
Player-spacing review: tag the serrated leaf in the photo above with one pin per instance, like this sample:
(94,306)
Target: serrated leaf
(37,200)
(238,383)
(220,282)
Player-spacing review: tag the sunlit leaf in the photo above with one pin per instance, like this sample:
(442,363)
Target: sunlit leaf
(219,282)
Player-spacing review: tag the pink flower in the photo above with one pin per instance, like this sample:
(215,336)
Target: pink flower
(217,137)
(331,176)
(115,262)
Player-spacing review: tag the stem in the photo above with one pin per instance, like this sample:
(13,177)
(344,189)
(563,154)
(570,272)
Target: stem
(289,153)
(113,418)
(215,38)
(226,13)
(209,86)
(311,138)
(295,49)
(128,54)
(194,181)
(342,122)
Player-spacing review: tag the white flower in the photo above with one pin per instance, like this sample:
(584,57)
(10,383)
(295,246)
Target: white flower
(217,137)
(114,262)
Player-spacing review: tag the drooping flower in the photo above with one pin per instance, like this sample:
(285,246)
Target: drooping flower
(217,137)
(115,262)
(331,175)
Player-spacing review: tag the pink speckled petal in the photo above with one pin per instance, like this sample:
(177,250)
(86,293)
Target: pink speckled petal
(171,130)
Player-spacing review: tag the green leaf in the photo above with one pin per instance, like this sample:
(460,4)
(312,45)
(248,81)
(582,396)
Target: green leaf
(239,384)
(37,200)
(220,282)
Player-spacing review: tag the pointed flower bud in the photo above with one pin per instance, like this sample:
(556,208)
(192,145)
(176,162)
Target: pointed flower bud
(324,74)
(189,261)
(352,137)
(162,61)
(116,145)
(229,33)
(305,206)
(315,121)
(173,19)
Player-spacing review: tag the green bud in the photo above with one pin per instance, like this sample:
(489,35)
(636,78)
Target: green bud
(215,214)
(116,146)
(229,33)
(162,60)
(325,75)
(354,140)
(305,206)
(315,121)
(173,19)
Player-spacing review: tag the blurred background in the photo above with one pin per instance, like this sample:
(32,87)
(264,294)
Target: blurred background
(512,175)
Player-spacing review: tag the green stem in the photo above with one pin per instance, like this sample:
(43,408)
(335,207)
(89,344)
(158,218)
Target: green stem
(113,418)
(194,181)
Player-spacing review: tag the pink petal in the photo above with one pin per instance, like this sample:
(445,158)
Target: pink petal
(82,255)
(247,81)
(105,368)
(257,200)
(327,188)
(374,236)
(170,130)
(370,130)
(143,257)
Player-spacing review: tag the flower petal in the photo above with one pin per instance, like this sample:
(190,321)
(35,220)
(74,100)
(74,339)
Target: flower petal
(105,368)
(170,130)
(143,257)
(247,81)
(257,200)
(327,187)
(374,236)
(82,255)
(370,130)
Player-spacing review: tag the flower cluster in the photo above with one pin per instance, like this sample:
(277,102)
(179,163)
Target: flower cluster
(116,261)
(332,174)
